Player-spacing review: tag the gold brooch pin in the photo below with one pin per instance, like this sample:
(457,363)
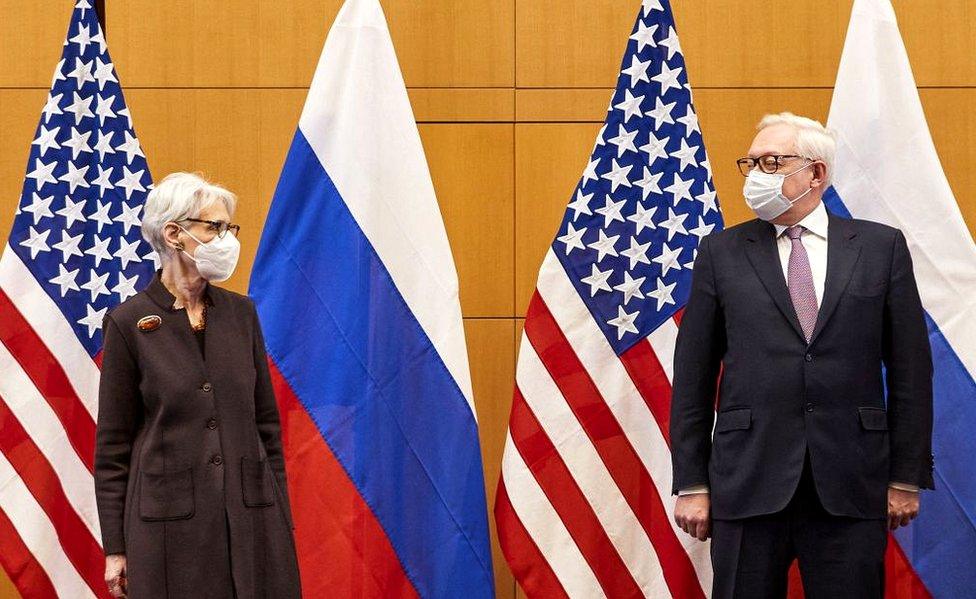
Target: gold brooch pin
(149,323)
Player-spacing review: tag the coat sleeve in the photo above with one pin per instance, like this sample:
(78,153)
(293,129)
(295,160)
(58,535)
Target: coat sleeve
(698,354)
(908,363)
(266,414)
(119,418)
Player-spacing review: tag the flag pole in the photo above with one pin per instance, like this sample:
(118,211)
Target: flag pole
(100,12)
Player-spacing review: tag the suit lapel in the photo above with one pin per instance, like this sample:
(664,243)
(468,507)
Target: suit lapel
(842,253)
(764,257)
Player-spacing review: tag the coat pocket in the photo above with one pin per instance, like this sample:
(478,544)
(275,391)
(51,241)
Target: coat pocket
(736,419)
(257,486)
(166,496)
(873,419)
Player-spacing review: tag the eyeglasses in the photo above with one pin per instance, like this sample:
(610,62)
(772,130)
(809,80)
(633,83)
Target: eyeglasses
(219,226)
(767,163)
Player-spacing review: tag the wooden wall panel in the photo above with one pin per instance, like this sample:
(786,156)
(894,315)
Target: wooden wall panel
(200,129)
(509,95)
(213,43)
(277,44)
(238,138)
(940,41)
(558,105)
(728,118)
(20,111)
(7,588)
(462,105)
(952,122)
(30,41)
(491,350)
(736,43)
(471,166)
(549,159)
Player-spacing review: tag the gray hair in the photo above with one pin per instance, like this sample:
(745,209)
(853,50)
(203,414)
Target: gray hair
(813,140)
(176,197)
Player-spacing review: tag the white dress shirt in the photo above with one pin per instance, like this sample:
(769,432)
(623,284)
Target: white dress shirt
(814,240)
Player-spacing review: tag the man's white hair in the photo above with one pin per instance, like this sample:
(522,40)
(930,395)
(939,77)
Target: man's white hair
(813,140)
(179,196)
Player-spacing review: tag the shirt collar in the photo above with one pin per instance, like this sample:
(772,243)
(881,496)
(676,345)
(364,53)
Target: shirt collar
(816,222)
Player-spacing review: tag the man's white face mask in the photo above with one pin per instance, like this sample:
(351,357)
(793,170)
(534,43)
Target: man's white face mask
(764,193)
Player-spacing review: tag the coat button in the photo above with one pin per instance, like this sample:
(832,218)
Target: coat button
(212,423)
(808,358)
(207,387)
(217,459)
(809,407)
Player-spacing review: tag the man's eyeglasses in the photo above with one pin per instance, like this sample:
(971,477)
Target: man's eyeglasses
(219,226)
(767,163)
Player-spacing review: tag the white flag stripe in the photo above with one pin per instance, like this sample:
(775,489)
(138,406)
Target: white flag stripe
(387,187)
(38,534)
(545,528)
(627,405)
(42,425)
(875,108)
(662,341)
(48,322)
(589,471)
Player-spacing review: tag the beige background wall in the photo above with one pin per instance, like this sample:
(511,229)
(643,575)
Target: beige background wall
(508,95)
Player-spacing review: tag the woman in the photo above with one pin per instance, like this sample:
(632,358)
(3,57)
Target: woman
(189,473)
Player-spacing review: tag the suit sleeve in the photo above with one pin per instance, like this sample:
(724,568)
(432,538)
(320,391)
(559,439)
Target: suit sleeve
(698,355)
(119,418)
(266,413)
(908,363)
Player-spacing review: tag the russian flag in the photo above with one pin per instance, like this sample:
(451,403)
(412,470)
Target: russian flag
(887,170)
(358,297)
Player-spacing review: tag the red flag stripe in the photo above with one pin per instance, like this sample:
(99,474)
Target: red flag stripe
(25,572)
(81,548)
(526,561)
(652,383)
(612,381)
(50,379)
(570,504)
(901,579)
(613,446)
(45,318)
(333,525)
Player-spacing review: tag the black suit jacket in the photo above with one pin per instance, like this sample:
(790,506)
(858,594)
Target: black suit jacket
(190,476)
(779,396)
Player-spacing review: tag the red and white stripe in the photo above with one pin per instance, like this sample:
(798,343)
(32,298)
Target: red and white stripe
(584,502)
(49,531)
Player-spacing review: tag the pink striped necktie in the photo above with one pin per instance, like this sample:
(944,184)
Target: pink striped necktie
(799,279)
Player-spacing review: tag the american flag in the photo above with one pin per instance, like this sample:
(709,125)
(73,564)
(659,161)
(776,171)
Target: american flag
(74,252)
(584,505)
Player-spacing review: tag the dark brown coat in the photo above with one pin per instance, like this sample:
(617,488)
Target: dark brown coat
(189,473)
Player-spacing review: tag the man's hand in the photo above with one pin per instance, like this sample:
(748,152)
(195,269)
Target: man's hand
(115,575)
(691,512)
(902,507)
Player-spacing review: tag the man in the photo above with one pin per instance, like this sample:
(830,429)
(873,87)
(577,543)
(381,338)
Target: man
(808,318)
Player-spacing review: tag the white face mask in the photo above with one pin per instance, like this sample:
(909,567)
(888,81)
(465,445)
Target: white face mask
(764,193)
(216,259)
